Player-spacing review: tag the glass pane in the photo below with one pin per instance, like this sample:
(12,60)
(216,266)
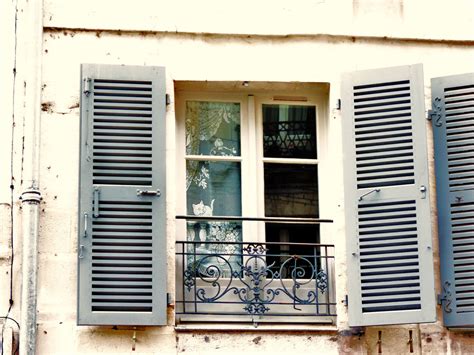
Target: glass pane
(289,131)
(212,128)
(291,190)
(213,189)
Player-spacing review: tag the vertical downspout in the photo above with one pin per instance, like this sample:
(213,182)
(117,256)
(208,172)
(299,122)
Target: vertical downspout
(32,38)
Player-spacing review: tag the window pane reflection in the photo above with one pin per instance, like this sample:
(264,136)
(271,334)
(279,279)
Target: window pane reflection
(291,190)
(289,131)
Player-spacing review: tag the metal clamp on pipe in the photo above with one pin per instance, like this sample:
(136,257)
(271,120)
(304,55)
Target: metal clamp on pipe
(31,195)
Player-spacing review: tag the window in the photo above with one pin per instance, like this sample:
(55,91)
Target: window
(262,151)
(251,154)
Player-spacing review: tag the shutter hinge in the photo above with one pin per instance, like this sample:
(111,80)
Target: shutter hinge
(435,114)
(430,115)
(446,297)
(168,99)
(87,86)
(169,299)
(339,104)
(346,301)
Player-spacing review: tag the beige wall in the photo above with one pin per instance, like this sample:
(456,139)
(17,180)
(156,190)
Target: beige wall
(415,19)
(248,43)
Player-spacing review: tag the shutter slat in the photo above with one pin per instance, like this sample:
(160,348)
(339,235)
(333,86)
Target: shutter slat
(387,218)
(125,298)
(383,269)
(120,263)
(120,130)
(113,98)
(118,306)
(114,290)
(122,120)
(111,269)
(382,151)
(396,290)
(122,276)
(112,284)
(140,106)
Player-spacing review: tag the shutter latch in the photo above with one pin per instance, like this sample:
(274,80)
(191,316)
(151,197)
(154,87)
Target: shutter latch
(156,192)
(423,191)
(87,86)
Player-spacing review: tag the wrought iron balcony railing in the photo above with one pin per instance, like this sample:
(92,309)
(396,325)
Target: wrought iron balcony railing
(254,281)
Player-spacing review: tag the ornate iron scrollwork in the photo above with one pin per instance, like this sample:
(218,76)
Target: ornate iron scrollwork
(257,285)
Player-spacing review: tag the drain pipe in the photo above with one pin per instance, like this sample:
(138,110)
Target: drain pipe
(31,32)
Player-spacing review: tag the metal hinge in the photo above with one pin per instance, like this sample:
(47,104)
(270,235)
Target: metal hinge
(168,99)
(446,297)
(346,301)
(429,117)
(339,104)
(87,86)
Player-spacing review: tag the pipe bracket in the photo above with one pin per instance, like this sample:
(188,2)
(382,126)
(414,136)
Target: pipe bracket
(31,195)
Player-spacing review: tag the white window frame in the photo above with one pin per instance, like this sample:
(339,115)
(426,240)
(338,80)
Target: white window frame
(251,155)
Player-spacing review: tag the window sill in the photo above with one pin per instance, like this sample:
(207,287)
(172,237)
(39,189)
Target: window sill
(260,327)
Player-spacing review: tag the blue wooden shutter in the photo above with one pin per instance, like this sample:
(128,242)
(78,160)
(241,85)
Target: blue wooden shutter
(453,129)
(122,234)
(389,255)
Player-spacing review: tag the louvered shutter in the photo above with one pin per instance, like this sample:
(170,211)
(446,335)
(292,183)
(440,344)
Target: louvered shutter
(389,255)
(453,131)
(122,235)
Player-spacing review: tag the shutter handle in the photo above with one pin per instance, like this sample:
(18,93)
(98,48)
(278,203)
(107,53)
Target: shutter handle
(81,252)
(86,216)
(368,193)
(156,192)
(96,201)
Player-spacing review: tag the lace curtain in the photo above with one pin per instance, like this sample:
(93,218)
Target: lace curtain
(213,188)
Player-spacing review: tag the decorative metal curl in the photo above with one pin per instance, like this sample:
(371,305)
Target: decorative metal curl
(322,280)
(253,249)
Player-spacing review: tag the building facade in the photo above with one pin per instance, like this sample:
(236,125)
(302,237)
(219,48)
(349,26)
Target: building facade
(261,177)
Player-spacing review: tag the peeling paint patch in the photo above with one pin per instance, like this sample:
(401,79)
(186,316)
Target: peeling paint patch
(47,106)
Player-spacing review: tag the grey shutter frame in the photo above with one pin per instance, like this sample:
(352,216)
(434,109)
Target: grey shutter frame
(122,232)
(452,117)
(387,207)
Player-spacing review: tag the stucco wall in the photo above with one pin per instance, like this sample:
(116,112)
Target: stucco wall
(415,19)
(205,57)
